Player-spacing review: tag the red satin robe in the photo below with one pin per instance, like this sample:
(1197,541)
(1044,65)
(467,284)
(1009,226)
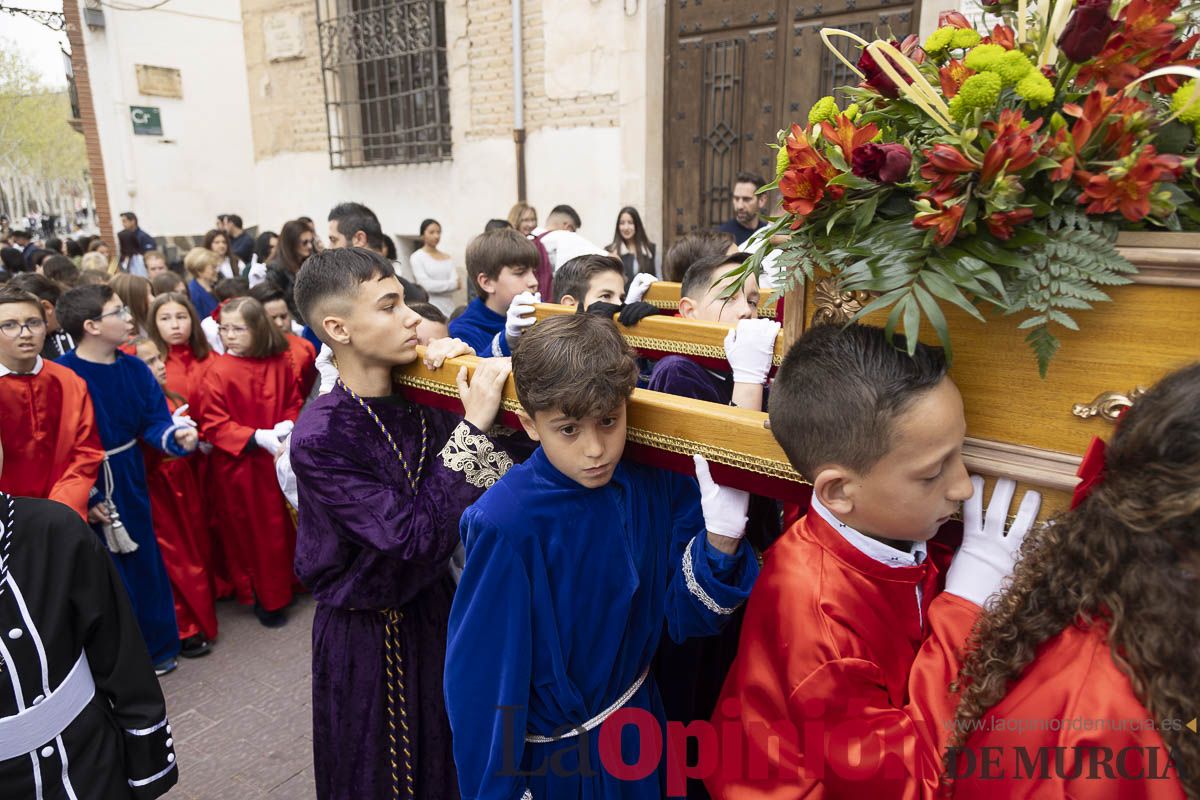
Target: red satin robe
(239,396)
(817,703)
(48,429)
(181,528)
(304,362)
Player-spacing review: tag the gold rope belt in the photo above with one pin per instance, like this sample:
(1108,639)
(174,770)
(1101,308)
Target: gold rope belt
(396,697)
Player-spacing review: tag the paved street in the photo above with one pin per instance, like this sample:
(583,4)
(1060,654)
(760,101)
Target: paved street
(242,715)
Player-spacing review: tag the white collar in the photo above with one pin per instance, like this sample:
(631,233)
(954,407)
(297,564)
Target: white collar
(873,548)
(37,367)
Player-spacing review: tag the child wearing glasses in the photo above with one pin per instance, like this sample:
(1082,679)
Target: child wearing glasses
(129,407)
(249,400)
(45,412)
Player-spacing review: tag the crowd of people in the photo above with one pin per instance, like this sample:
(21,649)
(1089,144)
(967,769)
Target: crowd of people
(516,613)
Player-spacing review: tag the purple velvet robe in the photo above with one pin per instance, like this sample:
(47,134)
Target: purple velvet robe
(365,545)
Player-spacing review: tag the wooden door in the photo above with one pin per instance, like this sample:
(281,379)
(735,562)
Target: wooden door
(737,71)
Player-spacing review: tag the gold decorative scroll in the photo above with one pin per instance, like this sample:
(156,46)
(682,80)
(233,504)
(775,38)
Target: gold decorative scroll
(831,306)
(1108,406)
(665,295)
(665,334)
(735,437)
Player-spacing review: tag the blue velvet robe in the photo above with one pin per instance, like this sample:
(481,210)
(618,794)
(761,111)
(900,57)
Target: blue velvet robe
(483,329)
(204,300)
(129,405)
(560,610)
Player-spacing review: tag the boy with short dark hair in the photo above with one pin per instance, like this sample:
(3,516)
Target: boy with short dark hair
(843,643)
(590,279)
(46,413)
(156,264)
(503,265)
(58,342)
(382,483)
(575,560)
(129,405)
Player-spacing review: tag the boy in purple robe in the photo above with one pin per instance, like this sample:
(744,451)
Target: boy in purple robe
(382,484)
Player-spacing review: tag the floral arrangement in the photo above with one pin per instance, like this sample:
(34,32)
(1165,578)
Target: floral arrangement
(993,169)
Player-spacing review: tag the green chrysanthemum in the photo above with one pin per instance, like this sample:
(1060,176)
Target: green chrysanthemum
(964,38)
(823,109)
(781,162)
(1036,89)
(977,91)
(983,57)
(1012,67)
(939,40)
(1180,103)
(851,112)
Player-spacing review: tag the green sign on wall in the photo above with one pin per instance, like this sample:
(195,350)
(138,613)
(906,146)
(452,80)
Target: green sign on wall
(146,120)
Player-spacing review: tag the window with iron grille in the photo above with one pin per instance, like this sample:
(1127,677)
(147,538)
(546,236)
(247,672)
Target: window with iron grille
(383,63)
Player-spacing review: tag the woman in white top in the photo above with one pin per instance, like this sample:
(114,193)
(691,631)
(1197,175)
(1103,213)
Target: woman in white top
(631,244)
(434,270)
(218,242)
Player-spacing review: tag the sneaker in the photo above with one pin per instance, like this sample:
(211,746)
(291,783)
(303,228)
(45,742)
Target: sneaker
(164,667)
(194,646)
(270,619)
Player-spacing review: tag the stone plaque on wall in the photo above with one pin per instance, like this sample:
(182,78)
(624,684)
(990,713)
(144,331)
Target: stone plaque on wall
(159,81)
(283,36)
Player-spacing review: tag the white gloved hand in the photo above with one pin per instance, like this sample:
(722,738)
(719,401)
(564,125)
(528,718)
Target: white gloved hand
(520,315)
(638,286)
(724,508)
(282,429)
(180,417)
(267,440)
(987,555)
(749,348)
(325,366)
(287,478)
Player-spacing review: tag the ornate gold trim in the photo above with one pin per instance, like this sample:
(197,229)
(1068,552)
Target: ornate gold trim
(1108,405)
(474,457)
(722,455)
(832,306)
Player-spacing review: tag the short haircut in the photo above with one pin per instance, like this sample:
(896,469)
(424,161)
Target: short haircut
(198,259)
(39,257)
(149,254)
(490,252)
(493,224)
(569,212)
(12,259)
(61,269)
(265,339)
(129,215)
(78,305)
(234,220)
(429,311)
(92,277)
(336,274)
(39,286)
(197,340)
(840,390)
(575,277)
(11,293)
(692,247)
(73,249)
(93,261)
(21,233)
(166,282)
(579,364)
(267,292)
(750,177)
(354,217)
(229,288)
(704,273)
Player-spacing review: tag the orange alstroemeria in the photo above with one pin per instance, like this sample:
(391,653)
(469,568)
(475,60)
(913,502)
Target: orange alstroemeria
(805,181)
(1002,35)
(952,76)
(945,220)
(1143,35)
(1013,148)
(1129,193)
(1001,223)
(843,133)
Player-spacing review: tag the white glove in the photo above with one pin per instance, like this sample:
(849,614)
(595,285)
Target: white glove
(987,556)
(282,429)
(180,417)
(520,315)
(724,508)
(325,366)
(638,286)
(287,478)
(267,440)
(749,348)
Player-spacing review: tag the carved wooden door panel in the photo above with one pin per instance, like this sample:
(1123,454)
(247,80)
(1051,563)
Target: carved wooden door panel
(736,72)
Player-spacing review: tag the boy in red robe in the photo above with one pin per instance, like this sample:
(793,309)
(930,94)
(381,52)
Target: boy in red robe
(46,414)
(824,699)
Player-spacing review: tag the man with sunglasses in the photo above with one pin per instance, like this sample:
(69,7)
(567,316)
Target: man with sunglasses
(46,415)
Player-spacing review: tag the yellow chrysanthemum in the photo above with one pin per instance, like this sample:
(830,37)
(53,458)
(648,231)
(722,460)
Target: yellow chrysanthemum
(1180,103)
(781,162)
(1036,89)
(964,38)
(823,109)
(984,56)
(977,91)
(939,40)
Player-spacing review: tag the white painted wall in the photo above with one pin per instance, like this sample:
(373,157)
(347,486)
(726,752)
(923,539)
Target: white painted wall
(203,163)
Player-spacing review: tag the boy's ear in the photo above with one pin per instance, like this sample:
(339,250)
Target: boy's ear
(335,329)
(486,285)
(568,300)
(91,327)
(527,424)
(687,308)
(47,307)
(834,487)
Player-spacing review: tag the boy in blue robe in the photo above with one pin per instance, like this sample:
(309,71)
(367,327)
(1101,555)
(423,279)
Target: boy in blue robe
(503,264)
(575,559)
(129,406)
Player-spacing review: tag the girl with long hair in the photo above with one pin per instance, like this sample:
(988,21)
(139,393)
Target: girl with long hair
(435,270)
(296,243)
(180,525)
(1098,623)
(631,244)
(129,258)
(229,265)
(523,217)
(135,292)
(250,400)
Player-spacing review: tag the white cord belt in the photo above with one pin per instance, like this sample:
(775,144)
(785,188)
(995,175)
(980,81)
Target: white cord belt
(596,720)
(28,730)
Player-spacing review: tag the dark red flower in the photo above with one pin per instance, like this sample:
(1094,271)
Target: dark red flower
(1087,30)
(885,163)
(876,78)
(945,219)
(1001,223)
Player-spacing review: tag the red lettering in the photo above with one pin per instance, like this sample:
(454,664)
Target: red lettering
(649,744)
